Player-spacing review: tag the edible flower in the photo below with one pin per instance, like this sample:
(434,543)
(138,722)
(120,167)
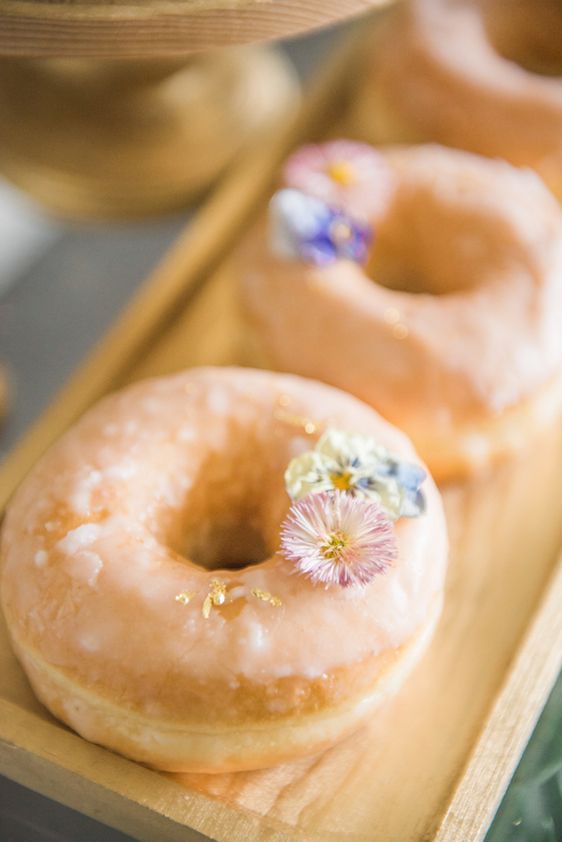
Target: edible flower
(336,539)
(305,228)
(361,467)
(343,173)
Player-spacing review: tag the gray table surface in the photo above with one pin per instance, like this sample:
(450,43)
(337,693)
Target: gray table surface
(61,285)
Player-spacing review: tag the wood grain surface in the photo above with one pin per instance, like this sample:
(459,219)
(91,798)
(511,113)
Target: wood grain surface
(158,28)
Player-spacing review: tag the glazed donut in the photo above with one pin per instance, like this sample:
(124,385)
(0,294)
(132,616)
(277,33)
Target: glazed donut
(160,608)
(481,75)
(452,330)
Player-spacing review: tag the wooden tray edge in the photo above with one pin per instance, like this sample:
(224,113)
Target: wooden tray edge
(65,763)
(510,724)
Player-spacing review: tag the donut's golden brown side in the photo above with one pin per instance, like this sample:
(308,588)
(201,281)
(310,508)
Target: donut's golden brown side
(452,332)
(481,75)
(159,490)
(254,739)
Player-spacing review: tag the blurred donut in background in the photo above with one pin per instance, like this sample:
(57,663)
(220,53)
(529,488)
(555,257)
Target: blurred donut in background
(481,75)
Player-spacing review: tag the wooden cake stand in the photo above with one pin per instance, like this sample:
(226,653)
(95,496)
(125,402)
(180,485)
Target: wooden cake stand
(101,138)
(126,107)
(155,28)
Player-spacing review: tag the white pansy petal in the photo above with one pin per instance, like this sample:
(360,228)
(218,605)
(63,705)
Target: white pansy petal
(304,474)
(332,444)
(355,464)
(294,218)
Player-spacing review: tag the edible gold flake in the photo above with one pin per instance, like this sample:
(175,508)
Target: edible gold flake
(400,331)
(207,605)
(215,597)
(265,596)
(307,424)
(185,597)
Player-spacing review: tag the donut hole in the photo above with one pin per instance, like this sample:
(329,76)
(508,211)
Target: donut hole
(393,272)
(527,33)
(225,543)
(430,243)
(230,514)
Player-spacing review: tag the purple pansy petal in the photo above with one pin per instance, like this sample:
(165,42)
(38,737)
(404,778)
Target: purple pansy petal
(306,228)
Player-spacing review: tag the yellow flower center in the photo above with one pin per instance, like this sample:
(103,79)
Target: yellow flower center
(341,172)
(334,545)
(341,232)
(341,481)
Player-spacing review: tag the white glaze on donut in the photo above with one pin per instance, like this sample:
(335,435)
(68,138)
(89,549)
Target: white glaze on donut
(455,73)
(90,599)
(481,243)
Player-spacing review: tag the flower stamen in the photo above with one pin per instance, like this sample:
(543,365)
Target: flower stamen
(342,481)
(341,172)
(334,546)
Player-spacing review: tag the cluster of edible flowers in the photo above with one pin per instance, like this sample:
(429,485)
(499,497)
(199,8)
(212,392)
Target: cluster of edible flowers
(346,494)
(360,466)
(325,212)
(305,228)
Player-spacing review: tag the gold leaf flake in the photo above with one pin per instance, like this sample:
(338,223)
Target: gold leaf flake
(207,605)
(265,596)
(215,597)
(217,591)
(185,597)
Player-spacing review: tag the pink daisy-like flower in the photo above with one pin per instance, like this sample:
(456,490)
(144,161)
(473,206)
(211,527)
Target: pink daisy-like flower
(344,174)
(337,539)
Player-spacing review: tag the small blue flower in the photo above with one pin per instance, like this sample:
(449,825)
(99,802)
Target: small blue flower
(410,478)
(305,228)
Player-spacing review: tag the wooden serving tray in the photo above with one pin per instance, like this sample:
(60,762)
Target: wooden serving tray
(434,762)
